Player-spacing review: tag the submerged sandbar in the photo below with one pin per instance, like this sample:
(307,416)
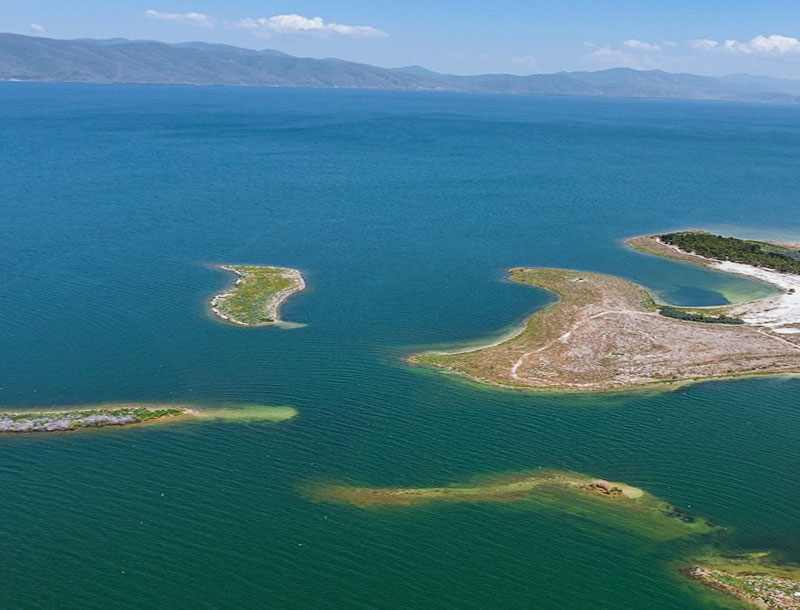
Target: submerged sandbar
(100,416)
(606,333)
(257,294)
(562,490)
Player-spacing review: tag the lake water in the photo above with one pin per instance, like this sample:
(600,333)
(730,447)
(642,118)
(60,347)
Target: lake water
(403,210)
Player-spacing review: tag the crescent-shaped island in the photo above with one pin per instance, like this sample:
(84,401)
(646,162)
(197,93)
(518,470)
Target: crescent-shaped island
(256,296)
(605,333)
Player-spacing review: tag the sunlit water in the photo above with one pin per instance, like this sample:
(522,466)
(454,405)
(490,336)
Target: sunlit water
(402,210)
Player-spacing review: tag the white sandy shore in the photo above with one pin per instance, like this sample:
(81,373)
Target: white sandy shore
(780,312)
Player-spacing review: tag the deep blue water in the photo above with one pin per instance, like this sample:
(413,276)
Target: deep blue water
(402,210)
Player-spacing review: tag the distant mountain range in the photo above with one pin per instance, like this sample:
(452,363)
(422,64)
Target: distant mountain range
(118,60)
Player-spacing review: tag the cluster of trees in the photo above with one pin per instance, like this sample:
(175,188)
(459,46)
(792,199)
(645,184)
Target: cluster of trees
(680,314)
(734,250)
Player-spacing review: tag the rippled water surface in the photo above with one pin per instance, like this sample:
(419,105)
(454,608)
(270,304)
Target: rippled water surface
(402,210)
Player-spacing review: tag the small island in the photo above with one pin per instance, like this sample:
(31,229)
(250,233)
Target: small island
(101,416)
(257,294)
(754,578)
(605,333)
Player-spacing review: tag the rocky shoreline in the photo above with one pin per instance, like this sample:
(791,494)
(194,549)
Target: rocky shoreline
(270,314)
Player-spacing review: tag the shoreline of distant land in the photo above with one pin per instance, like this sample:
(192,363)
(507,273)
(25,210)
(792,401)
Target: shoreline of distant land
(41,59)
(605,334)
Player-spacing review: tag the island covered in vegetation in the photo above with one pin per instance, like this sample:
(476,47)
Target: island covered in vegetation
(754,578)
(732,249)
(257,295)
(100,416)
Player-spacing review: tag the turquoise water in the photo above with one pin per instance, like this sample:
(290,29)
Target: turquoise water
(402,210)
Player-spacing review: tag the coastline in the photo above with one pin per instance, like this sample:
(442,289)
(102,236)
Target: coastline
(780,313)
(272,307)
(766,351)
(77,418)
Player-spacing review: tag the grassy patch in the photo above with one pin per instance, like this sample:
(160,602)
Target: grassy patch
(249,300)
(748,252)
(693,315)
(59,421)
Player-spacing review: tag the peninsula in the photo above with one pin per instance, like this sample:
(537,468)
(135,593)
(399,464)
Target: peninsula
(257,294)
(101,416)
(608,334)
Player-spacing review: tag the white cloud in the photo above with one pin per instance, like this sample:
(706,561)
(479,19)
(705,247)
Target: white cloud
(525,61)
(38,29)
(704,44)
(766,46)
(297,24)
(603,57)
(191,18)
(639,45)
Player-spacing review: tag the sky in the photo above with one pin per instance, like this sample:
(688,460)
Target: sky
(456,36)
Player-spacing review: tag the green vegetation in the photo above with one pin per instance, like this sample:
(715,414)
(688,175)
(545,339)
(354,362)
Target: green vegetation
(696,316)
(127,414)
(55,421)
(748,252)
(254,299)
(755,578)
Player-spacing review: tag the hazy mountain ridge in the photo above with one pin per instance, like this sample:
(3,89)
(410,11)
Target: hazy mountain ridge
(118,60)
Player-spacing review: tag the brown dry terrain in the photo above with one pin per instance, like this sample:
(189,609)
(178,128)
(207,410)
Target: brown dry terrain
(651,245)
(605,334)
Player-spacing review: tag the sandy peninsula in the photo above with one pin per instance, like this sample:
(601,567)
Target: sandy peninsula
(87,417)
(608,334)
(255,298)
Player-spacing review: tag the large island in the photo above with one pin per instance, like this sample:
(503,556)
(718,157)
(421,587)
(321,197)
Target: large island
(607,334)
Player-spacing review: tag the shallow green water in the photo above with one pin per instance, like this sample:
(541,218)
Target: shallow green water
(402,211)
